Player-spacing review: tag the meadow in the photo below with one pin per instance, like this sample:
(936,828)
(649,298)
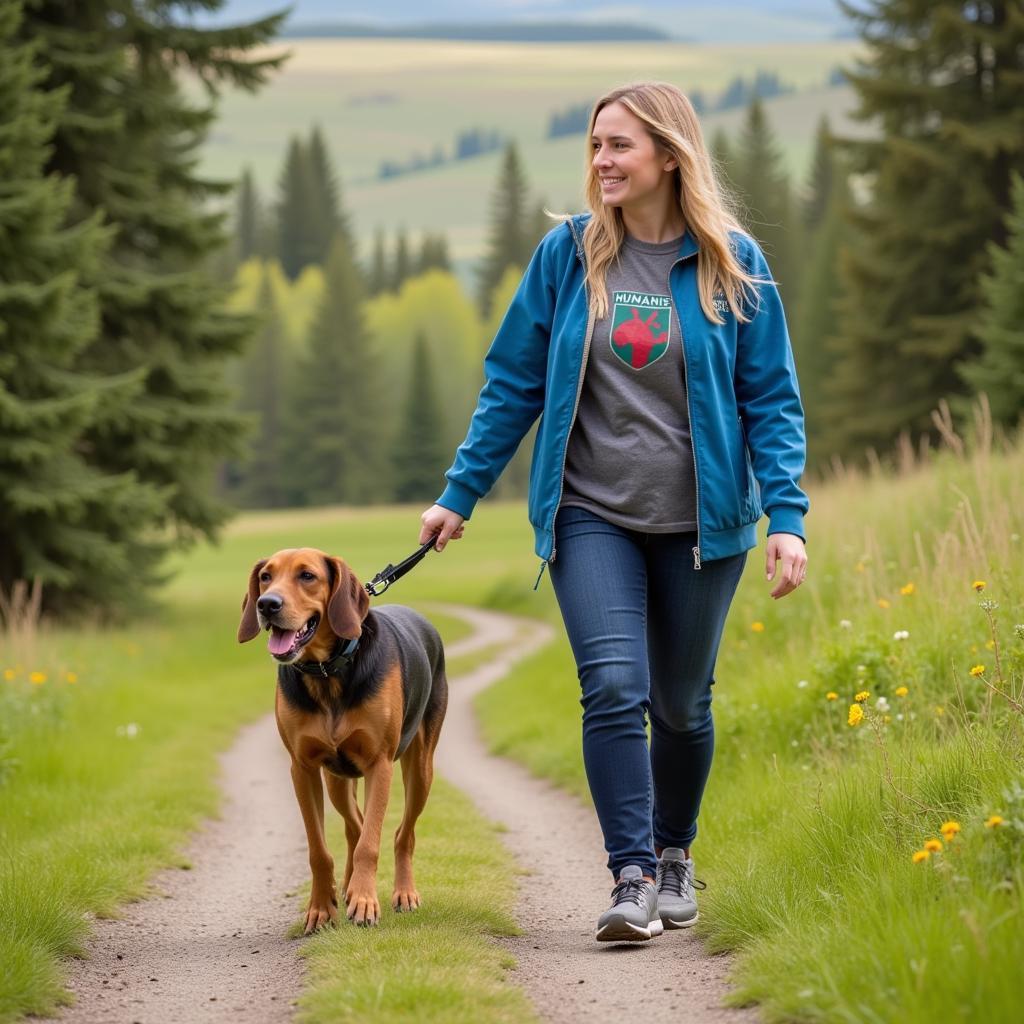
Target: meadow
(382,100)
(860,872)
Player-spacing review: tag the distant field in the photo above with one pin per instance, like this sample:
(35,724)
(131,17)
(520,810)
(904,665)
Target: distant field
(388,99)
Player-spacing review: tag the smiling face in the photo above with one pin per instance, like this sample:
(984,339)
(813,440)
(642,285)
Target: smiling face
(305,599)
(632,171)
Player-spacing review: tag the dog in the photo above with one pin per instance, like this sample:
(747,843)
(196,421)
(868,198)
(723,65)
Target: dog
(357,689)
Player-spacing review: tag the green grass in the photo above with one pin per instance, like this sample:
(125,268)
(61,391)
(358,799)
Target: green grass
(433,90)
(101,779)
(808,825)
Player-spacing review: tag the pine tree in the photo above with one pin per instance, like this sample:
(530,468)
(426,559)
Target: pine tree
(420,453)
(248,218)
(80,531)
(401,267)
(944,81)
(378,278)
(759,177)
(433,253)
(998,371)
(333,451)
(261,395)
(722,153)
(818,193)
(510,228)
(325,199)
(298,235)
(131,140)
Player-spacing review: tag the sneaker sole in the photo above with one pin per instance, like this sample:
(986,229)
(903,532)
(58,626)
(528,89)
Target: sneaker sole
(669,922)
(623,931)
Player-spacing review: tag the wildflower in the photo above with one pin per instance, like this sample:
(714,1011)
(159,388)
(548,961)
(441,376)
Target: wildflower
(862,670)
(901,691)
(862,696)
(887,719)
(757,627)
(949,829)
(71,677)
(920,855)
(977,670)
(881,705)
(856,714)
(845,624)
(37,678)
(131,730)
(1018,631)
(9,674)
(989,606)
(939,710)
(859,567)
(802,685)
(901,634)
(933,846)
(994,821)
(883,603)
(907,589)
(831,695)
(990,645)
(979,585)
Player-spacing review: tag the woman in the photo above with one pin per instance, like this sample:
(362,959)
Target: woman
(652,339)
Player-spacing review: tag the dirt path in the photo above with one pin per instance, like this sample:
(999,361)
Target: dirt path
(568,976)
(211,947)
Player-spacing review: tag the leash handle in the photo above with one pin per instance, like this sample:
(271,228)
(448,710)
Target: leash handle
(390,573)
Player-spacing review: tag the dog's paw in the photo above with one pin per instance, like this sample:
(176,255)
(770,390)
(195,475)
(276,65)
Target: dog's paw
(321,915)
(363,907)
(404,900)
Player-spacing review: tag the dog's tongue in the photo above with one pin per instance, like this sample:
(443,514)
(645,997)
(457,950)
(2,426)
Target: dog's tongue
(281,640)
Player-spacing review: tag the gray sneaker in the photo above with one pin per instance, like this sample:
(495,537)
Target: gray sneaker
(677,903)
(633,915)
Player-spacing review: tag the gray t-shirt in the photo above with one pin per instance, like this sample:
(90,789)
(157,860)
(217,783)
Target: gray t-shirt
(630,458)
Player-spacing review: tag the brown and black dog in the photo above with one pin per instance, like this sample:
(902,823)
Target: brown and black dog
(356,691)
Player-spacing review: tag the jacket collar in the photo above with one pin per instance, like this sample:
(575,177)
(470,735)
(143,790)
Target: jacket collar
(687,248)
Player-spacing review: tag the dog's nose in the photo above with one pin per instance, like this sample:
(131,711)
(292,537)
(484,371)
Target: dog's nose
(270,604)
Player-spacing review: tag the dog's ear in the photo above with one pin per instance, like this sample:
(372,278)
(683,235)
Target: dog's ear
(349,602)
(250,626)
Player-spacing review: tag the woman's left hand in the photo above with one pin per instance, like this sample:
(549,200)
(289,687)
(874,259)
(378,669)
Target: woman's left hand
(790,549)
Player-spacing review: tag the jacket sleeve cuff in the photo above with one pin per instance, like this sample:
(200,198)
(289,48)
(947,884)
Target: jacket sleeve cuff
(459,499)
(786,519)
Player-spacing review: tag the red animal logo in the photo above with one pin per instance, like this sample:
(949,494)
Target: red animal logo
(638,334)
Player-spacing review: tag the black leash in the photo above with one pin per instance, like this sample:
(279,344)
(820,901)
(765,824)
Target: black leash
(390,573)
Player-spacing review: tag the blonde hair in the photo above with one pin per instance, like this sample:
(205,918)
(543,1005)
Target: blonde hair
(707,210)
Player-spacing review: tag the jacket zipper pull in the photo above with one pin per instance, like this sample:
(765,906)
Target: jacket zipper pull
(696,559)
(543,566)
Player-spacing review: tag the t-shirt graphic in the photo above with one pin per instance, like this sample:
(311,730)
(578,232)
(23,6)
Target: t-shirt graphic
(640,327)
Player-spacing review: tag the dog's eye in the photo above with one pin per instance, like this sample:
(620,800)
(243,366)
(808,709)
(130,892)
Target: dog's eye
(306,575)
(264,577)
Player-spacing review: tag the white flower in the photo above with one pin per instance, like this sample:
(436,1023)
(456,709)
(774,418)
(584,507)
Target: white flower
(862,670)
(901,634)
(794,743)
(131,730)
(882,705)
(802,685)
(845,624)
(899,718)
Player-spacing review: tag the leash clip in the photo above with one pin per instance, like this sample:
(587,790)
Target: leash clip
(383,580)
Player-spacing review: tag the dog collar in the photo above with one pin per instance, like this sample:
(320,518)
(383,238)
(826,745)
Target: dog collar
(334,664)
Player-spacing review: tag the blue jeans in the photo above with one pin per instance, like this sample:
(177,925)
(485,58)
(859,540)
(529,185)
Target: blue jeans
(644,627)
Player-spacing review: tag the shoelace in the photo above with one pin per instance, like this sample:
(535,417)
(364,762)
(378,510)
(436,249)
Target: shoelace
(629,891)
(676,877)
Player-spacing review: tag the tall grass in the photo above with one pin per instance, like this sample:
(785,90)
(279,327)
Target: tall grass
(810,825)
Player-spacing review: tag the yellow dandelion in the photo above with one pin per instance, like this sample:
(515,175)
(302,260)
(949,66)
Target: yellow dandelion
(856,714)
(37,678)
(71,677)
(990,645)
(862,696)
(979,585)
(933,846)
(920,855)
(859,567)
(977,670)
(883,602)
(939,710)
(949,829)
(831,695)
(888,718)
(901,691)
(9,674)
(907,589)
(994,822)
(757,627)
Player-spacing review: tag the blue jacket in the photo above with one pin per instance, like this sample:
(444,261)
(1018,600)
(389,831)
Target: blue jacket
(746,420)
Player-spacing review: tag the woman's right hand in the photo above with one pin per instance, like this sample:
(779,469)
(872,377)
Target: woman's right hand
(443,523)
